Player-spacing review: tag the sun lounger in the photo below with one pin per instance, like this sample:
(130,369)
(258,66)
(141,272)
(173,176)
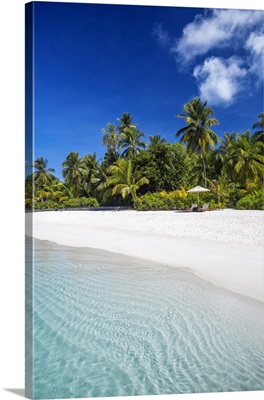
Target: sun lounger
(193,207)
(205,207)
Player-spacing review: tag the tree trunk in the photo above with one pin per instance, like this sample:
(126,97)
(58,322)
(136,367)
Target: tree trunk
(204,168)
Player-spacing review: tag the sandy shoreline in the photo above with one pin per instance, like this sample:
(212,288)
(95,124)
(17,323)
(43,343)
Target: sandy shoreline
(224,247)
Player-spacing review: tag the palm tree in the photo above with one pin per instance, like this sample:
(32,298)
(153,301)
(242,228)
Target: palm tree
(222,153)
(74,171)
(219,188)
(259,135)
(124,180)
(155,140)
(54,191)
(99,179)
(57,191)
(227,143)
(110,157)
(196,173)
(30,190)
(43,174)
(125,122)
(197,134)
(90,164)
(246,158)
(130,141)
(110,138)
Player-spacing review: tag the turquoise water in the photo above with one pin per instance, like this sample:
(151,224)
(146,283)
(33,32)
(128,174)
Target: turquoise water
(105,325)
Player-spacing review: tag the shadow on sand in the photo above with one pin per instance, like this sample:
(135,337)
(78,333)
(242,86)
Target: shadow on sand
(18,392)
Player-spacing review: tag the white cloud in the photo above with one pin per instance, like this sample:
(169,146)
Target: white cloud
(162,36)
(255,45)
(221,33)
(220,28)
(220,81)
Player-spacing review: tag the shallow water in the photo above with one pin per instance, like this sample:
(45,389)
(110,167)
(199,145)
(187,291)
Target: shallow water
(106,325)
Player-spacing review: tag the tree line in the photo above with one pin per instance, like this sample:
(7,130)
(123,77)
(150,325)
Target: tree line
(156,174)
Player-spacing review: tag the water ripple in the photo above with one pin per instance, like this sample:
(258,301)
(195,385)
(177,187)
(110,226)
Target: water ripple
(117,329)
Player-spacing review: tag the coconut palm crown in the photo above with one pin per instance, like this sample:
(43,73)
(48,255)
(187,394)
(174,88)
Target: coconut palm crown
(74,170)
(110,138)
(246,158)
(124,179)
(155,140)
(259,134)
(43,175)
(197,133)
(131,142)
(125,122)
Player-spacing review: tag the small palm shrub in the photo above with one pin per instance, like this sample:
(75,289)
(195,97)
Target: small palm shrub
(150,201)
(252,201)
(46,205)
(117,201)
(71,203)
(211,199)
(213,205)
(161,201)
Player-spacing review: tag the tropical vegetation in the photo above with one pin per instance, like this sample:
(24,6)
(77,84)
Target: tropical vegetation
(153,174)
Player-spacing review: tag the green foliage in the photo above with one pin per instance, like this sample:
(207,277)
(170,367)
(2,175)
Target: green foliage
(252,201)
(82,202)
(42,176)
(74,171)
(232,199)
(150,201)
(117,201)
(213,167)
(166,166)
(209,198)
(197,133)
(111,138)
(46,205)
(124,180)
(214,205)
(29,191)
(149,174)
(162,201)
(125,122)
(155,140)
(243,160)
(259,134)
(131,142)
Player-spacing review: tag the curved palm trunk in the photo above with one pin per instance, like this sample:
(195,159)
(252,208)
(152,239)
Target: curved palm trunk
(204,168)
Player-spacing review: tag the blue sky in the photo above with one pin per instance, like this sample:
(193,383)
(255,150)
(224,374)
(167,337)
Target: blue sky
(93,62)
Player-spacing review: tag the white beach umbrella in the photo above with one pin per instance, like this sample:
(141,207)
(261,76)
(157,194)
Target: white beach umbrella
(198,189)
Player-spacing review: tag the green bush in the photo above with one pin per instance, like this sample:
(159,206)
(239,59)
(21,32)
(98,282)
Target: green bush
(211,199)
(46,205)
(80,202)
(213,205)
(233,197)
(150,201)
(252,201)
(77,202)
(174,201)
(161,201)
(117,201)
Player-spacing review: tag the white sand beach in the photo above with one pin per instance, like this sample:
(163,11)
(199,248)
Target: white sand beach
(224,247)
